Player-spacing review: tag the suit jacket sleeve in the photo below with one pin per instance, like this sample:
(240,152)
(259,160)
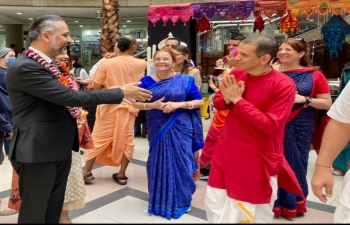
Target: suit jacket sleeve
(37,81)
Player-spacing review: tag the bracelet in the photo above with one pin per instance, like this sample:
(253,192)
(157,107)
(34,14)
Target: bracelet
(191,105)
(215,89)
(145,106)
(322,165)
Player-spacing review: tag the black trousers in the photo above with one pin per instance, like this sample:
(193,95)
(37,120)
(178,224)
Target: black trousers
(42,187)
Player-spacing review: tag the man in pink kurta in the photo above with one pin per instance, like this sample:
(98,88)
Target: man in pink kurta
(248,157)
(113,132)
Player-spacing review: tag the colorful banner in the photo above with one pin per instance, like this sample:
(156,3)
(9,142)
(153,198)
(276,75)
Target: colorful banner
(174,13)
(230,10)
(322,7)
(270,7)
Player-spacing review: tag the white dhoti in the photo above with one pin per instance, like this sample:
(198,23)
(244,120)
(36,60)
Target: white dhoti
(222,209)
(342,212)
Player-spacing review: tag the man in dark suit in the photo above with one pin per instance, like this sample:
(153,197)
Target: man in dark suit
(44,131)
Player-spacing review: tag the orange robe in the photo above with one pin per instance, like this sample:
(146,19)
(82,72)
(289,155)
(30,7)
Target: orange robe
(113,132)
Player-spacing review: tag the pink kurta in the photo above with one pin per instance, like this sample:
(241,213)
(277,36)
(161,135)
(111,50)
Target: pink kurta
(250,149)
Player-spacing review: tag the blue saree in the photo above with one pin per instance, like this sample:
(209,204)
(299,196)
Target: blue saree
(297,141)
(173,139)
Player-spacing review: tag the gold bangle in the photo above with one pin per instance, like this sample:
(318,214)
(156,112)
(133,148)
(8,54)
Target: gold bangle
(145,106)
(191,104)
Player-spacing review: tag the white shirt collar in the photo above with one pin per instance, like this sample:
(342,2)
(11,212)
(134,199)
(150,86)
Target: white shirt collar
(48,59)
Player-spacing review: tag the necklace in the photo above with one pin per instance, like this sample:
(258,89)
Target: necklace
(62,75)
(160,79)
(265,72)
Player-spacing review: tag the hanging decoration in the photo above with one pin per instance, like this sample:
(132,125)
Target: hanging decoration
(289,24)
(259,24)
(322,7)
(270,7)
(230,10)
(334,33)
(182,12)
(202,24)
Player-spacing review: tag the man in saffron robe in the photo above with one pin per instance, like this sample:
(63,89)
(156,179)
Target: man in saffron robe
(113,132)
(248,157)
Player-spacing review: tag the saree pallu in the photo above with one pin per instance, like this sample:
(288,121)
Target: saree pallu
(174,138)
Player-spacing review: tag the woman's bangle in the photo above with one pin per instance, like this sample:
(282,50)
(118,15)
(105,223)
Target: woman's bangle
(145,106)
(191,104)
(322,165)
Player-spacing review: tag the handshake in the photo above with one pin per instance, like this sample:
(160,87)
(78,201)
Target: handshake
(132,91)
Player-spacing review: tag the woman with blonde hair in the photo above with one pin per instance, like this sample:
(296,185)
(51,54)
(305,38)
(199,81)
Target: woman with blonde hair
(312,95)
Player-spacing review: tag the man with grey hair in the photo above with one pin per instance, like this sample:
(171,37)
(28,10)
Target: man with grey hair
(45,112)
(248,157)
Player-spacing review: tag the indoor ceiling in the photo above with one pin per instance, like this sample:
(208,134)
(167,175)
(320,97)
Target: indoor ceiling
(84,15)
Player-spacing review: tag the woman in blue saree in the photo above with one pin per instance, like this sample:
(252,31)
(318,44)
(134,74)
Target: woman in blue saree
(312,95)
(175,133)
(342,163)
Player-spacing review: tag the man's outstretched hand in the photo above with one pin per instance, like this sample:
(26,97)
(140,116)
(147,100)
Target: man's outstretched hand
(132,91)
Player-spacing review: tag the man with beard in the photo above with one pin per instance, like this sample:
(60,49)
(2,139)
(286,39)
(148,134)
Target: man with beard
(45,110)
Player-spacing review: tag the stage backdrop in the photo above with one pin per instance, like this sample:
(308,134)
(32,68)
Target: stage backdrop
(186,33)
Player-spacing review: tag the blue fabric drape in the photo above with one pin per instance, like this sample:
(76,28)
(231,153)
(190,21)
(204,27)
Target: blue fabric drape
(173,138)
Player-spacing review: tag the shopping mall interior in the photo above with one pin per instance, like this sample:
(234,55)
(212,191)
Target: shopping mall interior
(108,202)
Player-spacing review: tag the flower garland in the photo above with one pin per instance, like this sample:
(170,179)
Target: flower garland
(62,76)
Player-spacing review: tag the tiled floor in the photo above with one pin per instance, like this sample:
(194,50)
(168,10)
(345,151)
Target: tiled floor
(108,202)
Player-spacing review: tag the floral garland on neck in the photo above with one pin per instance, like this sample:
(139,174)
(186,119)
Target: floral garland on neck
(62,76)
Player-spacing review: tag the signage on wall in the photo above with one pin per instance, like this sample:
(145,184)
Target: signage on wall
(90,35)
(98,14)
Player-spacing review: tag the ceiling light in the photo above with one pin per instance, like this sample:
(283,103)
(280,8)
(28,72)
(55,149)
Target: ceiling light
(19,13)
(0,26)
(76,21)
(124,25)
(128,21)
(80,25)
(30,18)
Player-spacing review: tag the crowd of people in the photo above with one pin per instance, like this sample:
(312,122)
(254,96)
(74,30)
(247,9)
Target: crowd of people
(265,112)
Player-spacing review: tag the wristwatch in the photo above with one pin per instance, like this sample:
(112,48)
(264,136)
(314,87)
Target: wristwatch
(308,100)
